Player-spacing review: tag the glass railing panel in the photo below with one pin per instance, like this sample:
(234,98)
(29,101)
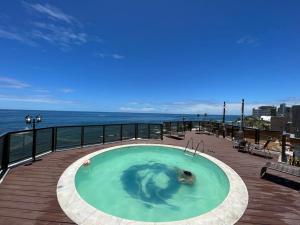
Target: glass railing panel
(195,125)
(68,137)
(93,135)
(167,127)
(155,131)
(174,127)
(43,140)
(143,131)
(128,131)
(112,133)
(20,146)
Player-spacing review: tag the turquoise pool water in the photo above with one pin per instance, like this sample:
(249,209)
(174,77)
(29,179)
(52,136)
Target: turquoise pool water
(141,183)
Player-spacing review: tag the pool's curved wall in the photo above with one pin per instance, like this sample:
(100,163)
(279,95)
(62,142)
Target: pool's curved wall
(78,210)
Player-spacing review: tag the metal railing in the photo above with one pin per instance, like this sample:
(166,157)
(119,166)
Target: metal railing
(18,146)
(25,145)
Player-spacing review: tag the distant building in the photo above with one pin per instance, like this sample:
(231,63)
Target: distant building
(296,118)
(279,123)
(285,111)
(264,111)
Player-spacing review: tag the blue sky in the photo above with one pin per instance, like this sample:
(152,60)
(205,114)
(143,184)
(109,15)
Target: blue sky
(174,56)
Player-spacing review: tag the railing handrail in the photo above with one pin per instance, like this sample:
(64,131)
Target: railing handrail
(133,132)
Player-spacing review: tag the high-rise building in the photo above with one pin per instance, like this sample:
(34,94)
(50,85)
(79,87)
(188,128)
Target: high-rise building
(285,111)
(296,118)
(264,111)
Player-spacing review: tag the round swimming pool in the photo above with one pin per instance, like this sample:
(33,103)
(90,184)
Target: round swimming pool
(147,183)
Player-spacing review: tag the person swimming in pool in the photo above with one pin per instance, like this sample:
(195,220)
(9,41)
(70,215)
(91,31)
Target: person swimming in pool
(186,177)
(86,162)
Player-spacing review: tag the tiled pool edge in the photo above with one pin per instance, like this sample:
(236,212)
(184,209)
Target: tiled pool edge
(228,212)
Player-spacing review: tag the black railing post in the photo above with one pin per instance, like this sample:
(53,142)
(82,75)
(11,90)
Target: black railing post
(5,154)
(103,138)
(232,132)
(283,143)
(82,136)
(53,145)
(121,132)
(136,131)
(161,131)
(33,143)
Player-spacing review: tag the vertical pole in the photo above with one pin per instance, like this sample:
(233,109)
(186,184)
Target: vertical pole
(161,132)
(6,149)
(224,111)
(283,155)
(103,132)
(53,145)
(82,137)
(33,141)
(136,131)
(242,120)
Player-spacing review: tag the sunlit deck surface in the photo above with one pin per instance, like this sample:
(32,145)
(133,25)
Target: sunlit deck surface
(28,193)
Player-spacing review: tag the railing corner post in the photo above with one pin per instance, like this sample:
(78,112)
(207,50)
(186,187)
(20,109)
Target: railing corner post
(54,137)
(5,154)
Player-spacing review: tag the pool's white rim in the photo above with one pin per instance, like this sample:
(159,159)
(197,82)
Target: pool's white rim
(82,213)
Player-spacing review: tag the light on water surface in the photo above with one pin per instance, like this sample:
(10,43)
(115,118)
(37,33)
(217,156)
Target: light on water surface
(141,183)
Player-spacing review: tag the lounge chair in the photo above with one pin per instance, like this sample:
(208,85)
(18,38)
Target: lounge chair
(281,167)
(241,145)
(261,150)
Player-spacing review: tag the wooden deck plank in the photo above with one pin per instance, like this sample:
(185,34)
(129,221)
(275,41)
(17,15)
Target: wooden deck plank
(28,193)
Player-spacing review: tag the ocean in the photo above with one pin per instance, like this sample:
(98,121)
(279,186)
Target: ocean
(12,120)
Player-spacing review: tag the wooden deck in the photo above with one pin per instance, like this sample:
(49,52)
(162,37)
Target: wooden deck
(28,193)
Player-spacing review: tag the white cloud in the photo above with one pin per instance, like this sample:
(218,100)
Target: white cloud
(133,109)
(33,99)
(248,40)
(64,35)
(51,12)
(114,56)
(13,34)
(7,82)
(58,35)
(199,107)
(117,56)
(67,90)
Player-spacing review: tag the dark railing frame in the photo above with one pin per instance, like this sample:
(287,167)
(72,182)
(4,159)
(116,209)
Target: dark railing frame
(6,138)
(184,125)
